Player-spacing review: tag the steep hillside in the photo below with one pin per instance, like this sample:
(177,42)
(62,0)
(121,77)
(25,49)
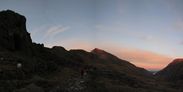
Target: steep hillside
(174,70)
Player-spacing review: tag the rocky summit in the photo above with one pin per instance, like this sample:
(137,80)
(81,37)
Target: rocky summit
(13,33)
(30,67)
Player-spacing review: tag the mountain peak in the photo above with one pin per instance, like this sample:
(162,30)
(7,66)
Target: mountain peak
(178,60)
(173,71)
(102,53)
(97,50)
(13,33)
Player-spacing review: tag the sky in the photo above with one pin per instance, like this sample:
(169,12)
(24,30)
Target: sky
(148,33)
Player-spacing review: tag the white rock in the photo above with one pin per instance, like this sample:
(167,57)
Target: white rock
(19,65)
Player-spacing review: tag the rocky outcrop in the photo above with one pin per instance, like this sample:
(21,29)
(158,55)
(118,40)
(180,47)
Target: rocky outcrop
(13,33)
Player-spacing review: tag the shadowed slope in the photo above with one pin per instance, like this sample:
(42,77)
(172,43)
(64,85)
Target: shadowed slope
(173,71)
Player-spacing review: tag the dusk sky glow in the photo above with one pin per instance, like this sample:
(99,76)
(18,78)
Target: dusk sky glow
(148,33)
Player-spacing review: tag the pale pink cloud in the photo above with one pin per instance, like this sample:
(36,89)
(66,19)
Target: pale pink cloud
(146,59)
(141,58)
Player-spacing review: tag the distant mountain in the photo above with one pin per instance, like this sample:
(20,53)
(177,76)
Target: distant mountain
(174,70)
(30,67)
(123,65)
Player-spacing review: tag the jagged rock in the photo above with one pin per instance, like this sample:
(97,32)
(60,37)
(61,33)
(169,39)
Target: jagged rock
(13,33)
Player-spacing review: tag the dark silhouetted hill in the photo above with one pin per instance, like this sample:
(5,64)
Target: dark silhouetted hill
(174,70)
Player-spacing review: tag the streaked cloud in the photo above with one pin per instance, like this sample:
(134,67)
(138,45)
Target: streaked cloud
(48,31)
(36,31)
(44,34)
(52,31)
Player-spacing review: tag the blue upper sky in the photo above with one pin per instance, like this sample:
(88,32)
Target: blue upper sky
(154,27)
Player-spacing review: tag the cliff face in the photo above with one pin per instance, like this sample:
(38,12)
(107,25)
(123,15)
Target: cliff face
(13,33)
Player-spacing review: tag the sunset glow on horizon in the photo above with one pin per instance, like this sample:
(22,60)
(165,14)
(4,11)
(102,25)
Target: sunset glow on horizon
(147,33)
